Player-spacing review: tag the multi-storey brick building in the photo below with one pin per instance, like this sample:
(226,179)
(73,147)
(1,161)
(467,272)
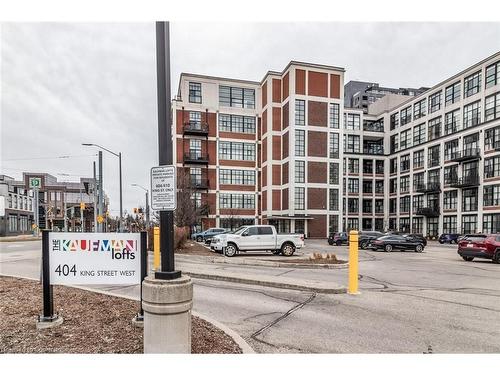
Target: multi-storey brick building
(277,151)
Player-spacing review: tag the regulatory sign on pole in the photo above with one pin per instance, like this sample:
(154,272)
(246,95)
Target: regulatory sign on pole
(163,188)
(95,258)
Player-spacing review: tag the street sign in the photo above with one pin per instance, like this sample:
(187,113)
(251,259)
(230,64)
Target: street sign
(95,258)
(35,182)
(163,188)
(100,219)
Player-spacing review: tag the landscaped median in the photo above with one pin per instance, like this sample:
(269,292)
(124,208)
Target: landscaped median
(93,323)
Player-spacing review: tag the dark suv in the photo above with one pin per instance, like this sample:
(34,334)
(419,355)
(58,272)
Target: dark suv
(366,236)
(339,238)
(485,246)
(449,238)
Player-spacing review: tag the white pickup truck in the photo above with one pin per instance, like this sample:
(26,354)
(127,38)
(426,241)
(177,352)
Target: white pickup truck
(257,238)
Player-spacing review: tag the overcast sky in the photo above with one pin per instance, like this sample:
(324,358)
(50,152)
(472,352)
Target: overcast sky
(64,84)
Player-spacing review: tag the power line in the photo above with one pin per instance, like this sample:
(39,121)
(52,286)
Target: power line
(54,157)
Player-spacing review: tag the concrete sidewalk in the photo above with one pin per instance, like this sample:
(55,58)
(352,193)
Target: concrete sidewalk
(20,238)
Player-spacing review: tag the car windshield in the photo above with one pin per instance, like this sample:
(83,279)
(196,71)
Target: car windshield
(475,238)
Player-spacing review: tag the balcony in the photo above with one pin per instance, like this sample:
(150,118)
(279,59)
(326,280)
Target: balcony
(466,181)
(195,128)
(201,184)
(196,157)
(465,155)
(431,211)
(431,187)
(374,150)
(373,127)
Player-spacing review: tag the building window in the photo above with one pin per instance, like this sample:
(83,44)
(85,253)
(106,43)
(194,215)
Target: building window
(334,173)
(393,205)
(492,107)
(353,185)
(352,144)
(300,112)
(194,92)
(492,73)
(352,224)
(404,184)
(472,114)
(368,167)
(394,121)
(449,224)
(334,146)
(393,186)
(435,128)
(367,206)
(353,166)
(379,166)
(300,143)
(333,224)
(418,180)
(491,223)
(433,176)
(334,199)
(334,115)
(418,159)
(393,166)
(300,202)
(419,109)
(405,163)
(419,134)
(452,122)
(236,151)
(379,206)
(236,177)
(432,226)
(452,94)
(492,167)
(450,149)
(195,120)
(236,123)
(405,139)
(379,186)
(394,143)
(471,142)
(469,199)
(418,202)
(469,224)
(472,84)
(492,138)
(367,186)
(353,205)
(450,174)
(236,97)
(353,122)
(450,200)
(433,157)
(418,225)
(491,195)
(238,201)
(435,102)
(404,224)
(405,115)
(300,171)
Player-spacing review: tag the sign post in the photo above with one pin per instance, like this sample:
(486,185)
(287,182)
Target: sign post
(35,183)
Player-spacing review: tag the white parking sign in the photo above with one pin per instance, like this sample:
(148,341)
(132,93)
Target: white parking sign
(163,188)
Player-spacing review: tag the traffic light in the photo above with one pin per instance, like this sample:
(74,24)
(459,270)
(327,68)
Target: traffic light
(135,210)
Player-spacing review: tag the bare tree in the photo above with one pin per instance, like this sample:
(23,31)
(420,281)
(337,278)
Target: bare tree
(186,214)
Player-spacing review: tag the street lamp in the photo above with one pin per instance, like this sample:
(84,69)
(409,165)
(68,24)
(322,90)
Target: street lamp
(119,156)
(147,203)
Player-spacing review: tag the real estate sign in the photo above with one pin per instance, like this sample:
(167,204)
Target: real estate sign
(95,258)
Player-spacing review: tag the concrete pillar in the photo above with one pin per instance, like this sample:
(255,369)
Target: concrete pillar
(167,308)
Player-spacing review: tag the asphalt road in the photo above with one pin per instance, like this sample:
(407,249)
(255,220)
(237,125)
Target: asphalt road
(409,303)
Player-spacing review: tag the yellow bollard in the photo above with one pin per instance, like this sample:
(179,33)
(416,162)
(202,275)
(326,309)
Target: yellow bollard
(156,248)
(353,262)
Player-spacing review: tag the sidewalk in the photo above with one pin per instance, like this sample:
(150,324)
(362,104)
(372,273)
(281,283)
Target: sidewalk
(22,237)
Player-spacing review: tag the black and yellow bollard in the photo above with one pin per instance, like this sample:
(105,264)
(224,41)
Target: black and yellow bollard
(353,262)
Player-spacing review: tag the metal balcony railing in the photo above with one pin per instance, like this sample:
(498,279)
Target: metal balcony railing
(195,128)
(466,154)
(465,181)
(373,127)
(431,211)
(431,187)
(200,183)
(196,157)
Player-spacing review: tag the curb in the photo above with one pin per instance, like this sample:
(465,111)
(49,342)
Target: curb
(266,263)
(19,239)
(240,341)
(318,288)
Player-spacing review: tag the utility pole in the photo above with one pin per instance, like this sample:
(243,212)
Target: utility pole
(101,195)
(94,191)
(65,213)
(121,197)
(147,203)
(81,211)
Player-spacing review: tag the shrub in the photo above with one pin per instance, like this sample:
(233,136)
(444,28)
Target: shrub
(180,236)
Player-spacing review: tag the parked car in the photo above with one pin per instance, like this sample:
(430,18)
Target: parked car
(486,246)
(207,235)
(257,238)
(449,238)
(365,237)
(416,236)
(339,238)
(392,242)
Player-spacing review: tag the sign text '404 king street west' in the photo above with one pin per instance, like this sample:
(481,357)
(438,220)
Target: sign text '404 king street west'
(95,258)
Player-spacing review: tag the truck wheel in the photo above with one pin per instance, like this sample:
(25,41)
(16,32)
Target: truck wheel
(230,250)
(468,259)
(287,249)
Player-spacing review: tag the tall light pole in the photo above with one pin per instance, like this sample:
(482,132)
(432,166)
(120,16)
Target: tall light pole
(147,203)
(119,156)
